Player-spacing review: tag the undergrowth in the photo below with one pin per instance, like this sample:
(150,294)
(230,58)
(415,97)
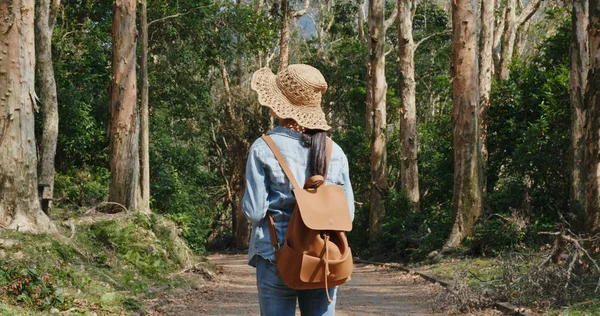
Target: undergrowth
(104,266)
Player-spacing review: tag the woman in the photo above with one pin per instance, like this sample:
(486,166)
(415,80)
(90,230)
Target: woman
(294,97)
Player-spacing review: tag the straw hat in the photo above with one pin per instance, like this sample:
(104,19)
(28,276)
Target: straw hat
(294,93)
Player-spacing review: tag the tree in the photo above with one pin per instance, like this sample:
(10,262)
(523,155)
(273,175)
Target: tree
(376,112)
(467,194)
(46,11)
(592,131)
(144,203)
(19,205)
(512,23)
(124,118)
(408,113)
(284,40)
(580,60)
(485,70)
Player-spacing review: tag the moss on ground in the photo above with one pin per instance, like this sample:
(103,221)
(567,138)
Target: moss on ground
(103,266)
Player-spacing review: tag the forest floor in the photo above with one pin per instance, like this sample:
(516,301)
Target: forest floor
(374,290)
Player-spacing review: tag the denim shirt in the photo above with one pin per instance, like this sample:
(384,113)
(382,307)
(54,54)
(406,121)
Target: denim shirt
(267,187)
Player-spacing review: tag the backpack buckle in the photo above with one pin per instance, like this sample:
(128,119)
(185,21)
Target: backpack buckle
(277,247)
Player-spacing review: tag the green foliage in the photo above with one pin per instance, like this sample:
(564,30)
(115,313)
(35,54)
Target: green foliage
(81,187)
(528,138)
(29,288)
(81,59)
(495,235)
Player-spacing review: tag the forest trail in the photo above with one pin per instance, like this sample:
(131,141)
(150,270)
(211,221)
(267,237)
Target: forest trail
(373,290)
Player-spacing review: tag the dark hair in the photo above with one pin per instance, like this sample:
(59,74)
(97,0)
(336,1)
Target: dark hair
(317,140)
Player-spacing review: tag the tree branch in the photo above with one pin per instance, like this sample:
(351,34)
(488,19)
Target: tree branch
(430,36)
(391,19)
(298,13)
(528,11)
(177,14)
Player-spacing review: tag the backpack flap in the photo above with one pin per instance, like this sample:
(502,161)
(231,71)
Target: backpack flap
(324,208)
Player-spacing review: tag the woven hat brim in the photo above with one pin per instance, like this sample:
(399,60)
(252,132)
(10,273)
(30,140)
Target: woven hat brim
(269,95)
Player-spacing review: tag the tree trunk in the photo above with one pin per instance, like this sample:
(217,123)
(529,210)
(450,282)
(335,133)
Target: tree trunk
(284,40)
(466,199)
(580,61)
(485,73)
(511,24)
(19,205)
(284,36)
(408,112)
(124,117)
(376,100)
(592,130)
(508,41)
(361,23)
(144,204)
(45,18)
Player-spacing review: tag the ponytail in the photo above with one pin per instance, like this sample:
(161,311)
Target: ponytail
(317,140)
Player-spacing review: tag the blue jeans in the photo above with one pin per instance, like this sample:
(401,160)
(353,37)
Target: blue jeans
(276,299)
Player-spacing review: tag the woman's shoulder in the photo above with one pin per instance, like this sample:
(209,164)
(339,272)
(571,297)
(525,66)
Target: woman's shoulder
(337,151)
(258,146)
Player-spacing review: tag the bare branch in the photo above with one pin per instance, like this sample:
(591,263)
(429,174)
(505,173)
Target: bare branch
(391,19)
(178,14)
(528,11)
(300,12)
(430,36)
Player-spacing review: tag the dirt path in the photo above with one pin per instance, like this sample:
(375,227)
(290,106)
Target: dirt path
(372,291)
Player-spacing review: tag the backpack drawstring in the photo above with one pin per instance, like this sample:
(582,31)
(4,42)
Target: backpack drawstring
(326,271)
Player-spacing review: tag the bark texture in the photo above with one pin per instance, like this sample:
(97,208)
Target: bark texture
(409,177)
(592,130)
(467,195)
(486,63)
(376,114)
(124,117)
(144,203)
(46,11)
(579,58)
(19,205)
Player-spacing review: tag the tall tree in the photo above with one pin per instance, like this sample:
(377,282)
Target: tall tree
(486,63)
(287,14)
(144,203)
(19,205)
(408,113)
(376,111)
(467,195)
(124,118)
(46,11)
(592,131)
(579,58)
(512,23)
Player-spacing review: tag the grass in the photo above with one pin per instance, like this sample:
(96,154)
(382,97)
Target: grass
(486,269)
(582,309)
(106,267)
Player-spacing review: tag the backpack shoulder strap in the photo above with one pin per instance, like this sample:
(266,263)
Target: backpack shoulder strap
(281,160)
(329,150)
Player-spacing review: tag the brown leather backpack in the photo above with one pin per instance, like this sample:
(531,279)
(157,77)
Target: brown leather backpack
(315,253)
